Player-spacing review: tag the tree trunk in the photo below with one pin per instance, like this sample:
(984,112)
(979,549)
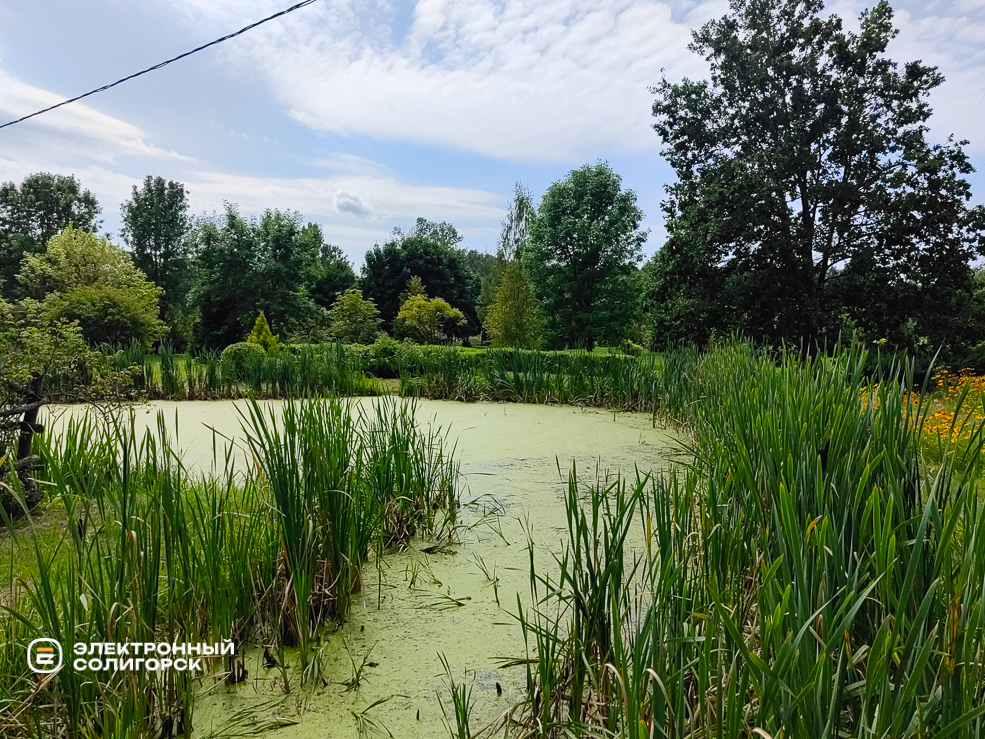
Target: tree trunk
(25,462)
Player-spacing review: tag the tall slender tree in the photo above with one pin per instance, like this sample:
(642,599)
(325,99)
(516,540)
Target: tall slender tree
(156,227)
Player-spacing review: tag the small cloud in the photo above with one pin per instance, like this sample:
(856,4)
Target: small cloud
(348,203)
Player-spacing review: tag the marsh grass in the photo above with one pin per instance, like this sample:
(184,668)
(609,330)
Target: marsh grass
(806,575)
(154,552)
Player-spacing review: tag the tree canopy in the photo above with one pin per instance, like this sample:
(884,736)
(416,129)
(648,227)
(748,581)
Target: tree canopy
(584,245)
(808,198)
(388,269)
(155,228)
(82,277)
(426,321)
(332,275)
(354,320)
(33,213)
(248,266)
(515,318)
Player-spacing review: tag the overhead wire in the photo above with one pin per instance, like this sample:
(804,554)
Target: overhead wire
(163,64)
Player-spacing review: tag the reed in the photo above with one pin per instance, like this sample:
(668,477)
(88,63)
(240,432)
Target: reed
(806,575)
(155,552)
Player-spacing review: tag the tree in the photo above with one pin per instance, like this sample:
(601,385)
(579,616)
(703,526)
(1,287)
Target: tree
(262,336)
(807,193)
(515,318)
(515,234)
(584,245)
(426,321)
(442,233)
(513,239)
(83,277)
(252,266)
(388,268)
(32,214)
(42,361)
(354,320)
(332,275)
(108,315)
(156,227)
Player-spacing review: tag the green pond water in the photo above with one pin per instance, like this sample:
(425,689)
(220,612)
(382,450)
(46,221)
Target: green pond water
(404,616)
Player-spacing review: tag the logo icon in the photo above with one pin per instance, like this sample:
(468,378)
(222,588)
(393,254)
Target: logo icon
(44,655)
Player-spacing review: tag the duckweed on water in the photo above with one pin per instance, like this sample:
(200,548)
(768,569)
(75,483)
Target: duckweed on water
(811,571)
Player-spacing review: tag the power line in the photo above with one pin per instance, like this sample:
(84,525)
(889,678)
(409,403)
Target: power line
(164,64)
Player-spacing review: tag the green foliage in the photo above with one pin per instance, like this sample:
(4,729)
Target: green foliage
(332,275)
(807,197)
(156,228)
(584,245)
(488,285)
(427,321)
(354,320)
(33,213)
(440,233)
(387,270)
(514,236)
(262,336)
(262,556)
(239,354)
(515,318)
(43,361)
(252,266)
(108,315)
(85,278)
(803,575)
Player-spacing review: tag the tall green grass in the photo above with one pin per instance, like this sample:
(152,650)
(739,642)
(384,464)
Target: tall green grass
(807,575)
(305,371)
(155,552)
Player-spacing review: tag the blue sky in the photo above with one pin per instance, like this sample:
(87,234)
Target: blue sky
(365,115)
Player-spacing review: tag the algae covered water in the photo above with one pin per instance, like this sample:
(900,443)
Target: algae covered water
(381,670)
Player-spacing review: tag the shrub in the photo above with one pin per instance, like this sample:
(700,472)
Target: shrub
(262,336)
(239,354)
(426,321)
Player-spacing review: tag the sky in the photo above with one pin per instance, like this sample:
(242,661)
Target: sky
(366,115)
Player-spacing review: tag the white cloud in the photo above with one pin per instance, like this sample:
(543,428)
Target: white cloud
(519,80)
(385,198)
(72,129)
(348,203)
(533,80)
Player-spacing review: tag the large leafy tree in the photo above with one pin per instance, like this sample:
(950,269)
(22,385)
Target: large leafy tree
(82,277)
(156,227)
(808,198)
(248,266)
(33,213)
(444,232)
(584,245)
(441,268)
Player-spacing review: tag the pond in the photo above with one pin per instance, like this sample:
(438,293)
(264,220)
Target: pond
(458,601)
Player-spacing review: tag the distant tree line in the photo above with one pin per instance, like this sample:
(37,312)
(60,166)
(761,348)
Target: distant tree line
(203,281)
(808,206)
